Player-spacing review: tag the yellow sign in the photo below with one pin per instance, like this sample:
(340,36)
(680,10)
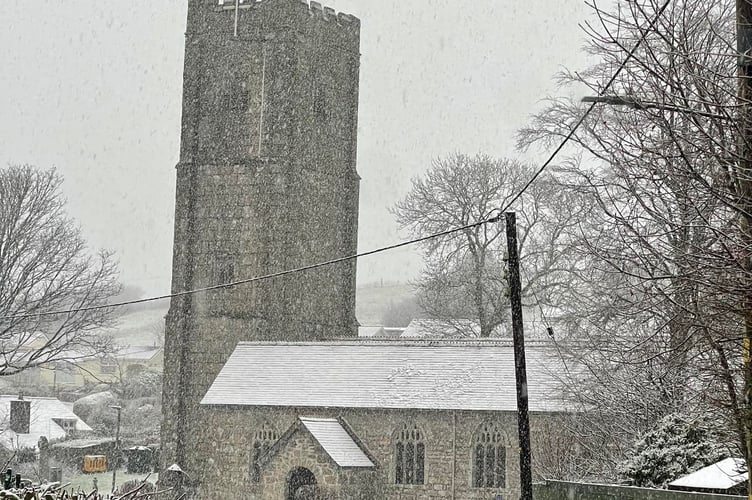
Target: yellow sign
(95,463)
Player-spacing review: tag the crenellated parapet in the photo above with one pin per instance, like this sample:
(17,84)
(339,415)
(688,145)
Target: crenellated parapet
(329,14)
(313,9)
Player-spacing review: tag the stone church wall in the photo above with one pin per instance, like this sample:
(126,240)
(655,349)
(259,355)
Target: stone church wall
(448,448)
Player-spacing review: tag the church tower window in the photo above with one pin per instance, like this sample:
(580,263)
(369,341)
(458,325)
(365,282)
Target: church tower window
(224,271)
(489,457)
(263,439)
(320,104)
(237,96)
(409,455)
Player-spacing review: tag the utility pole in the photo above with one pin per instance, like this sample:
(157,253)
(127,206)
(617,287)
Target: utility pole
(520,370)
(744,183)
(117,446)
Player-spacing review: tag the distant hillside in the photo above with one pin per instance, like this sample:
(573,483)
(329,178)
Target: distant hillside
(372,300)
(144,326)
(139,327)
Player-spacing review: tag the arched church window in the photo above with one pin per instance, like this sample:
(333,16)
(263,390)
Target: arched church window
(263,439)
(409,455)
(489,457)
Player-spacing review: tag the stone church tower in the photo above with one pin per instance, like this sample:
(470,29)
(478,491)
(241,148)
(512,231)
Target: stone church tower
(266,182)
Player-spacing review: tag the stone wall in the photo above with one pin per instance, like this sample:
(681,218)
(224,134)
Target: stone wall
(266,183)
(448,461)
(557,490)
(300,451)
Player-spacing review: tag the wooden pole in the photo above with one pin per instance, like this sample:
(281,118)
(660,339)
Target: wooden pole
(117,447)
(523,421)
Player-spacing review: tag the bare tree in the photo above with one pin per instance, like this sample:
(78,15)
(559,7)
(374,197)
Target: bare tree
(465,273)
(661,308)
(44,268)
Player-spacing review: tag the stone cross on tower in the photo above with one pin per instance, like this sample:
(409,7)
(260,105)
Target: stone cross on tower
(235,22)
(235,5)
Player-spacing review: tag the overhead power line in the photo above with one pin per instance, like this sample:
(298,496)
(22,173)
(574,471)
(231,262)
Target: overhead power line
(590,108)
(395,246)
(258,278)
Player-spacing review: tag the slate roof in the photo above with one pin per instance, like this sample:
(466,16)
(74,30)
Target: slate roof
(435,328)
(370,331)
(336,442)
(722,475)
(461,375)
(138,353)
(82,444)
(44,411)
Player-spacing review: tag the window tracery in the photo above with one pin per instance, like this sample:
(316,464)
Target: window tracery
(489,457)
(409,455)
(263,439)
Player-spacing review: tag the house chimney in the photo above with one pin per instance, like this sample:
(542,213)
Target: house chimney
(20,415)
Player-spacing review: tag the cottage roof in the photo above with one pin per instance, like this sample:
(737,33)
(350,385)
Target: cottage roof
(370,331)
(435,328)
(461,375)
(722,475)
(146,353)
(47,415)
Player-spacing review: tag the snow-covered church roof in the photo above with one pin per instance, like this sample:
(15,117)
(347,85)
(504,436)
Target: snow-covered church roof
(461,375)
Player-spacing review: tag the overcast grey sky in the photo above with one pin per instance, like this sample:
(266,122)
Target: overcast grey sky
(94,89)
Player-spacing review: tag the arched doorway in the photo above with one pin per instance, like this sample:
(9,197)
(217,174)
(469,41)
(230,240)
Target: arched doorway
(301,485)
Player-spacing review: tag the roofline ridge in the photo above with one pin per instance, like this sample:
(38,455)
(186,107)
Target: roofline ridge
(401,342)
(538,411)
(357,440)
(318,419)
(351,434)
